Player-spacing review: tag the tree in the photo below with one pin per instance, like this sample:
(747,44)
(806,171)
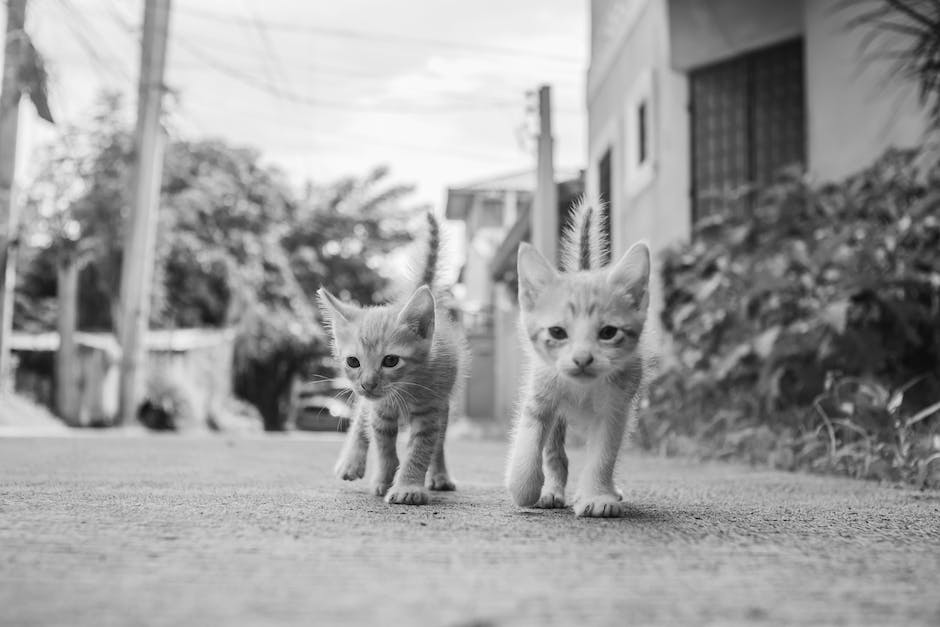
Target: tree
(219,248)
(345,231)
(76,200)
(235,246)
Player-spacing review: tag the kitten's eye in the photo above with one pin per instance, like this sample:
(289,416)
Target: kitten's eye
(608,332)
(352,362)
(557,333)
(390,361)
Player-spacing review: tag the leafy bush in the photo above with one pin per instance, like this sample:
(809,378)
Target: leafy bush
(805,323)
(907,34)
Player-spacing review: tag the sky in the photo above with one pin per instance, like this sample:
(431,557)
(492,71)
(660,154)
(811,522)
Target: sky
(435,89)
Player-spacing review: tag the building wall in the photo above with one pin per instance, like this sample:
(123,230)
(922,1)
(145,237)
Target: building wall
(708,32)
(656,209)
(856,109)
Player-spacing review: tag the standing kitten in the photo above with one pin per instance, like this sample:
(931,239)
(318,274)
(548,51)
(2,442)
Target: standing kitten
(586,366)
(403,361)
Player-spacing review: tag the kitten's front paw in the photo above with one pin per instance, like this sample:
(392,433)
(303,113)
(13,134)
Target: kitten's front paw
(525,486)
(550,500)
(407,495)
(599,506)
(441,483)
(379,488)
(351,467)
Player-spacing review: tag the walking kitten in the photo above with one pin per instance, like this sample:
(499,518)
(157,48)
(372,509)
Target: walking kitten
(403,361)
(586,366)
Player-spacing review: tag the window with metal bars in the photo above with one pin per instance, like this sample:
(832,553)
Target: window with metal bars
(747,122)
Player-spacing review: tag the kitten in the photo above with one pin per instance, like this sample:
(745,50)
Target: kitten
(403,361)
(586,366)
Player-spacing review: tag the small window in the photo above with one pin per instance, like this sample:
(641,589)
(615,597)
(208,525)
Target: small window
(603,177)
(642,133)
(606,196)
(640,138)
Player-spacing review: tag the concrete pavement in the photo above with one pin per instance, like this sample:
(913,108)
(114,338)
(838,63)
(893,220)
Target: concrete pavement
(215,531)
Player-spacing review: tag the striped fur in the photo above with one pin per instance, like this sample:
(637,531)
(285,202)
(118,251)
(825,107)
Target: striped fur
(584,243)
(416,387)
(432,258)
(585,330)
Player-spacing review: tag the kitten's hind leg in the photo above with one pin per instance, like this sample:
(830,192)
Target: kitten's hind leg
(555,466)
(408,487)
(351,464)
(385,434)
(438,477)
(524,476)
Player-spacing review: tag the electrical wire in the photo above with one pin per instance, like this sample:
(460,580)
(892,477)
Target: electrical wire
(91,41)
(277,75)
(271,86)
(377,37)
(265,86)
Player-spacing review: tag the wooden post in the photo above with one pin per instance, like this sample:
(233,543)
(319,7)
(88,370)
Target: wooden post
(544,216)
(66,359)
(137,267)
(14,49)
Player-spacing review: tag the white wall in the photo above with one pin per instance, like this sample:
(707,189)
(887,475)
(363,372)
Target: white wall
(855,108)
(702,33)
(657,211)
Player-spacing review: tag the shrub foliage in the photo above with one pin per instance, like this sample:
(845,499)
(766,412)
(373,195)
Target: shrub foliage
(806,323)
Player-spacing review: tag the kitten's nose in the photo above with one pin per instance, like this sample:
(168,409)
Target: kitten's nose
(583,360)
(369,383)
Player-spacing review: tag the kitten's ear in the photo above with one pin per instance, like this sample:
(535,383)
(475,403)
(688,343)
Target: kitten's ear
(535,273)
(335,310)
(418,312)
(631,275)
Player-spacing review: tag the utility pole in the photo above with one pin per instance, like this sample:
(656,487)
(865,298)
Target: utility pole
(14,50)
(139,241)
(544,216)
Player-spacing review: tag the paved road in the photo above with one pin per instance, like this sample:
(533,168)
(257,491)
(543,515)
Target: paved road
(171,531)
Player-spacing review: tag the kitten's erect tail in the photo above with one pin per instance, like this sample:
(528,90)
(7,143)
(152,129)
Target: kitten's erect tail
(584,244)
(429,275)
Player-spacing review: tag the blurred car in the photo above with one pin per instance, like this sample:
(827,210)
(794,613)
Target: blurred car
(321,406)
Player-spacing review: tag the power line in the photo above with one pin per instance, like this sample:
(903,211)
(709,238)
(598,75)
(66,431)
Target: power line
(267,87)
(271,57)
(571,76)
(87,37)
(341,75)
(378,37)
(122,22)
(270,86)
(358,72)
